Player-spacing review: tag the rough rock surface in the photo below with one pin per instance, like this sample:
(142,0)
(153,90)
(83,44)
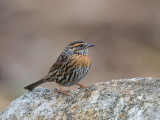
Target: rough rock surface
(127,99)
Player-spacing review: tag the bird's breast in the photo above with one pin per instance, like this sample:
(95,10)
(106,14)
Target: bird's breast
(82,61)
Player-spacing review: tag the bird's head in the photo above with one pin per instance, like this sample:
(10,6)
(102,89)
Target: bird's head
(79,47)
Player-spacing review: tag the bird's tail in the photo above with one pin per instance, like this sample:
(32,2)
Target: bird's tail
(35,84)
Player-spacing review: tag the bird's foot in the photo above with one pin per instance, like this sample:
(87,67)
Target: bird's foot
(63,92)
(60,92)
(82,86)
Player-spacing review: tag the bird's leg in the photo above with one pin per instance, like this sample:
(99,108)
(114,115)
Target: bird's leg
(82,86)
(61,91)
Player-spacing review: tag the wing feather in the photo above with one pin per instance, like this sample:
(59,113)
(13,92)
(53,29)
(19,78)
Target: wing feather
(57,67)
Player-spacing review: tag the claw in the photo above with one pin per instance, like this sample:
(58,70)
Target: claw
(62,92)
(82,86)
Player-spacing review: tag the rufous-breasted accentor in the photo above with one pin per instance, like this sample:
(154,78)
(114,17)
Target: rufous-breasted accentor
(70,68)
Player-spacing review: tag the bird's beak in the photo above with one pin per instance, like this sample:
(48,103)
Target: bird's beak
(90,45)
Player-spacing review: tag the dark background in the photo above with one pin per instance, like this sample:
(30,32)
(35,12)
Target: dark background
(34,32)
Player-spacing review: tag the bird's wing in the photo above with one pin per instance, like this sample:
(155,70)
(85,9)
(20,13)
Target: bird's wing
(57,66)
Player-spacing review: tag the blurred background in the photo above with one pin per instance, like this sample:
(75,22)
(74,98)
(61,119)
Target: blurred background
(33,34)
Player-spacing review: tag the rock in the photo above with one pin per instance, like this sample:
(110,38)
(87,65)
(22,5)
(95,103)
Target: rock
(126,99)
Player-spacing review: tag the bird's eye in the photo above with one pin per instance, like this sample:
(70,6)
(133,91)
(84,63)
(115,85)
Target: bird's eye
(80,45)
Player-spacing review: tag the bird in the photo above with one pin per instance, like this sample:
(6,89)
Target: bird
(70,68)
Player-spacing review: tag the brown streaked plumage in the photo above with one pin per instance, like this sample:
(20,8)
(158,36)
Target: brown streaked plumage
(70,68)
